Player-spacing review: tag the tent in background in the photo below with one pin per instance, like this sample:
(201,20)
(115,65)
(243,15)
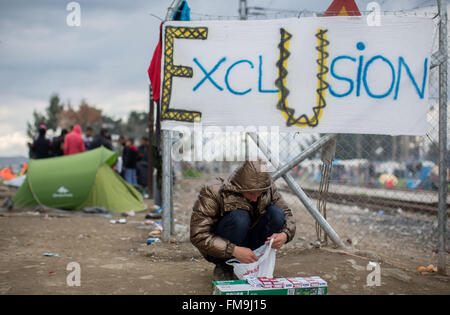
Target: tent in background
(77,181)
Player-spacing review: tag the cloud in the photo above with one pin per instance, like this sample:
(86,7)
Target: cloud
(13,144)
(13,122)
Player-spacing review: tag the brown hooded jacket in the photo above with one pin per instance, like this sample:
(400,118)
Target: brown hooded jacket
(215,200)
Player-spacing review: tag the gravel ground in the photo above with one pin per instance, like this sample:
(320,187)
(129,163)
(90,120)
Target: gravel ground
(114,258)
(408,239)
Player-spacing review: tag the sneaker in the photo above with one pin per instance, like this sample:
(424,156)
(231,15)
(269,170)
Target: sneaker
(155,215)
(223,272)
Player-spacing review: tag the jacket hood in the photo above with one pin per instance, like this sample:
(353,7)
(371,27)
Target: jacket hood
(249,178)
(77,129)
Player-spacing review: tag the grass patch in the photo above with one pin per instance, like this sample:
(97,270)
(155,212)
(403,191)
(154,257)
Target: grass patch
(191,173)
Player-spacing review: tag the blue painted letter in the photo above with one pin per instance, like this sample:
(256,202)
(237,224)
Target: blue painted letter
(228,74)
(350,81)
(364,77)
(208,74)
(260,89)
(421,92)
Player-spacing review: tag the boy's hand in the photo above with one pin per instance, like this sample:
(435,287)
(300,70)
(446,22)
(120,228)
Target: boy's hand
(244,255)
(279,239)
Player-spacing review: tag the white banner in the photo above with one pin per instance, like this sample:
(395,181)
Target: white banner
(314,75)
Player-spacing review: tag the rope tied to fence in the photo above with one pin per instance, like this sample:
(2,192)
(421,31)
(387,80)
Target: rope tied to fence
(327,157)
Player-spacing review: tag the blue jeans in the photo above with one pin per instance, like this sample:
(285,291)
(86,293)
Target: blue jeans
(235,227)
(130,176)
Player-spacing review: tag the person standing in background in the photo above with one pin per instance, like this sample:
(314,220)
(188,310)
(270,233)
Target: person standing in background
(101,140)
(130,155)
(121,147)
(88,138)
(41,147)
(73,143)
(58,144)
(142,162)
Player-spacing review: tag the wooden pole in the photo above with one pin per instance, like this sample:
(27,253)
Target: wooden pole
(150,143)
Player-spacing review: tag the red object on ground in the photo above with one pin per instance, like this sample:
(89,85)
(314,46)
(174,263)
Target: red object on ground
(342,7)
(389,184)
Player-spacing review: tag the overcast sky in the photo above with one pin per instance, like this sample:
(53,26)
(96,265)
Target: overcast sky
(104,61)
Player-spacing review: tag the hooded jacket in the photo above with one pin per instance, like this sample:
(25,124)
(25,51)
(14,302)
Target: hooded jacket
(73,142)
(216,200)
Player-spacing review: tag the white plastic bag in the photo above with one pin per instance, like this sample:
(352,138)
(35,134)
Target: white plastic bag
(262,268)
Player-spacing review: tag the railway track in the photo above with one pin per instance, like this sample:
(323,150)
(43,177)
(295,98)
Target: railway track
(372,202)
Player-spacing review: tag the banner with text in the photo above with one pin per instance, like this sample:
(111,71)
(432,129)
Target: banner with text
(320,75)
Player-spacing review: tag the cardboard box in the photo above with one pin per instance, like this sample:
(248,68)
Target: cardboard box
(279,286)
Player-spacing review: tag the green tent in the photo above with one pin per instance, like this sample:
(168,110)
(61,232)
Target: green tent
(77,181)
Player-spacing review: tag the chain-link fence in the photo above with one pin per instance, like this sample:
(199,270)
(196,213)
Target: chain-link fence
(380,192)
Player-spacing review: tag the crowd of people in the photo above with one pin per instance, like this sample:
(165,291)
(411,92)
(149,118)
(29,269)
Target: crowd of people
(132,164)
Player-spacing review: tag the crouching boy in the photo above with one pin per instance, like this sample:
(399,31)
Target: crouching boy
(233,217)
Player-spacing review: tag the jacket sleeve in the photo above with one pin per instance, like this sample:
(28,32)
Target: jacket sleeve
(289,226)
(205,215)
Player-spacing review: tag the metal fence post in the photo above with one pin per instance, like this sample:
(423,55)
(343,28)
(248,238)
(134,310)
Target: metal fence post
(442,211)
(166,185)
(167,202)
(171,10)
(151,119)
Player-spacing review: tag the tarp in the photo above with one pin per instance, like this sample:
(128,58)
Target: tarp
(183,13)
(7,174)
(312,75)
(16,181)
(76,181)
